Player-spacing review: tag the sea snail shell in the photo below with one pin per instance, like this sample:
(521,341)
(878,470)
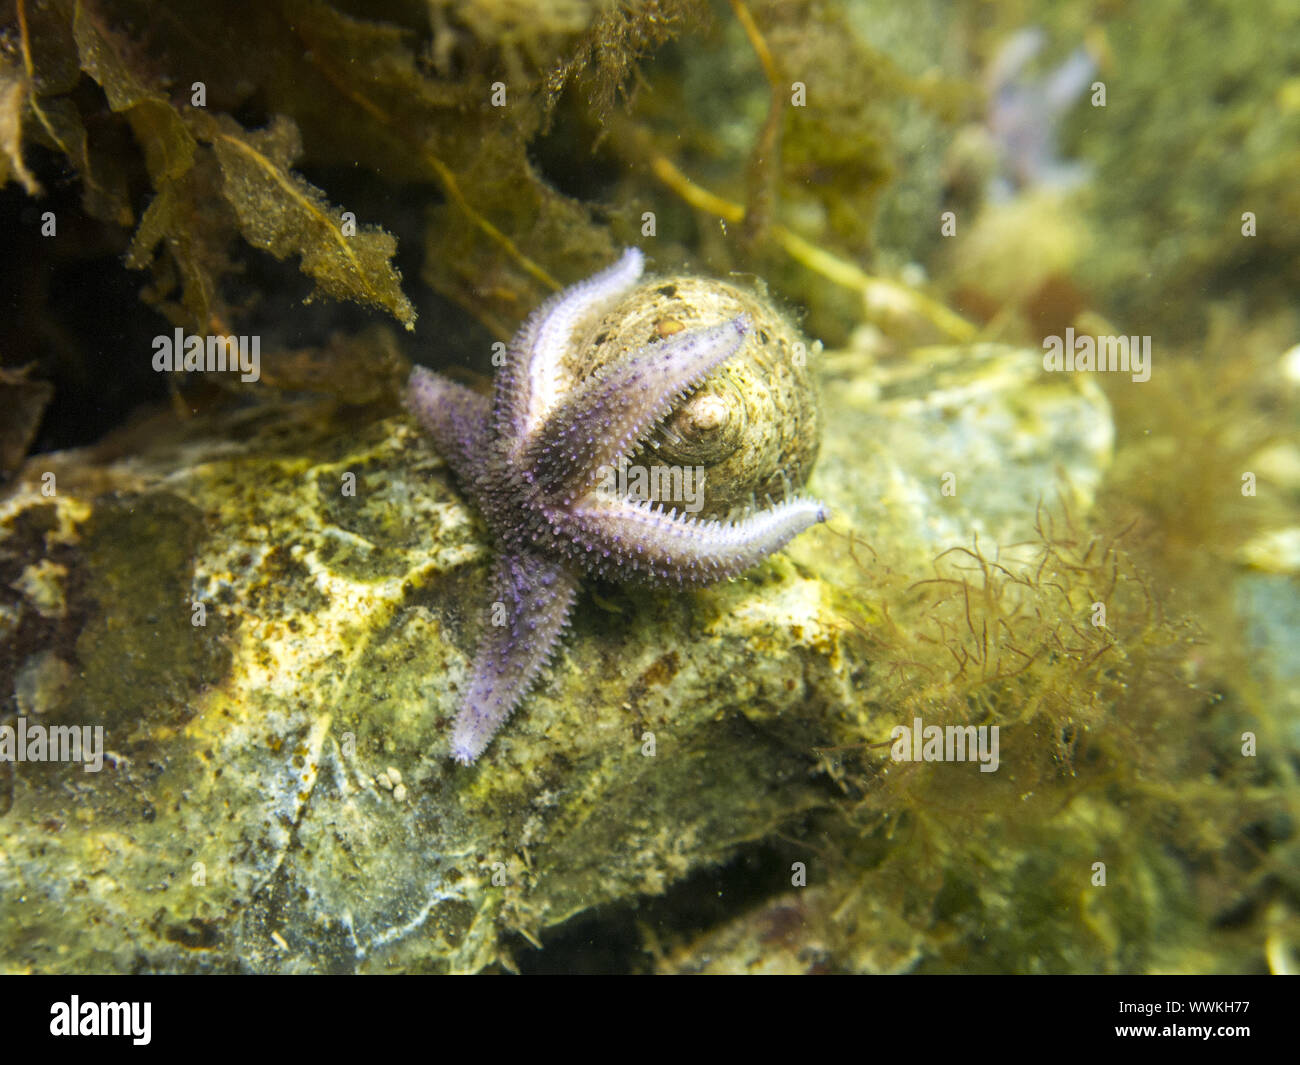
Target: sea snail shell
(753,426)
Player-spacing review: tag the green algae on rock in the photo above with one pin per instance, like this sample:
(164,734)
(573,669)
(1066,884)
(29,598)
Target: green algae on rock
(285,591)
(271,611)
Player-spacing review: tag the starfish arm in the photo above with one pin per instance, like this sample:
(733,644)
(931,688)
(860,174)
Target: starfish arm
(1067,82)
(536,596)
(455,416)
(612,413)
(619,539)
(531,383)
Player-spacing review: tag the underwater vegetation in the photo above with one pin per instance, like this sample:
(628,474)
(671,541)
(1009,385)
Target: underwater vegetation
(267,587)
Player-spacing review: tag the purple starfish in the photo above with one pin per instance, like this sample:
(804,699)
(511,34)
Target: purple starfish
(533,460)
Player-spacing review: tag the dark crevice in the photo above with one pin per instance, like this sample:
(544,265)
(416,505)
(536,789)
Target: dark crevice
(608,940)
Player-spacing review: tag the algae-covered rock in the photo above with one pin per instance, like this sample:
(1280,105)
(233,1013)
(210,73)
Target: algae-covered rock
(270,613)
(960,442)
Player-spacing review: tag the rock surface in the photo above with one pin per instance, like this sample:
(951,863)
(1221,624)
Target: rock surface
(269,612)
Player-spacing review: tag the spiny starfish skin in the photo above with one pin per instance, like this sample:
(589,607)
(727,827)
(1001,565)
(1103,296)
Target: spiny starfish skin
(532,460)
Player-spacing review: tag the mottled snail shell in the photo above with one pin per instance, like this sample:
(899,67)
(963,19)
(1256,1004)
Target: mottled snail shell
(753,426)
